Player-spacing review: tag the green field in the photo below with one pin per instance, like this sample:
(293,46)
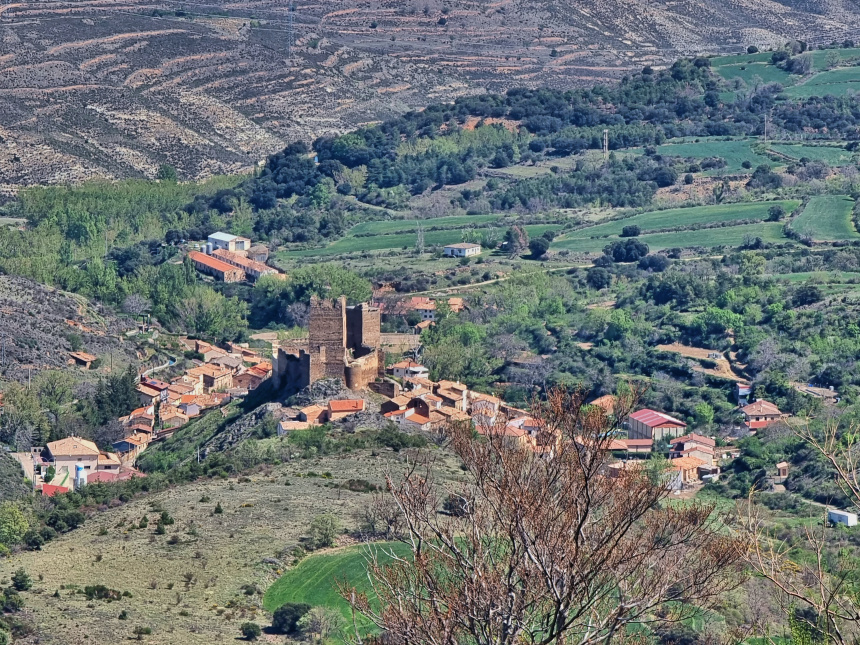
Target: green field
(747,71)
(709,237)
(841,277)
(833,155)
(672,218)
(351,244)
(837,82)
(313,580)
(734,152)
(405,226)
(827,218)
(729,67)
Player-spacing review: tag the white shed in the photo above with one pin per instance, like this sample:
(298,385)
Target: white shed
(841,517)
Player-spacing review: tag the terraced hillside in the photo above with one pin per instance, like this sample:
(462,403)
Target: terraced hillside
(109,88)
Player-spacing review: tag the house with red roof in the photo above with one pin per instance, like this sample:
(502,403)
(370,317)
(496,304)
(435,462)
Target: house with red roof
(761,414)
(49,490)
(693,445)
(337,410)
(650,424)
(409,419)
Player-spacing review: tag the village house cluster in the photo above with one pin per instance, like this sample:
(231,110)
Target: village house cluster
(218,375)
(231,258)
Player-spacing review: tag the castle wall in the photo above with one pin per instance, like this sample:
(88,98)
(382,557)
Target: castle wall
(294,370)
(362,326)
(328,331)
(343,343)
(362,372)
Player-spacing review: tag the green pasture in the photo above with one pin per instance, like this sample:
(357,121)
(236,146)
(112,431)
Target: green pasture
(672,218)
(709,237)
(314,579)
(350,244)
(833,155)
(734,152)
(404,226)
(840,277)
(827,218)
(748,71)
(836,82)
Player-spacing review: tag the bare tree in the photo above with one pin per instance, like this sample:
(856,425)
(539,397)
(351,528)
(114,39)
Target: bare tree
(419,242)
(136,305)
(550,548)
(817,596)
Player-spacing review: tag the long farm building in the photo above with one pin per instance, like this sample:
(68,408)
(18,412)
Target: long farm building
(218,269)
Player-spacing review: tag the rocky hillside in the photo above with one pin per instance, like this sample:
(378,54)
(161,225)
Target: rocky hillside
(40,325)
(103,88)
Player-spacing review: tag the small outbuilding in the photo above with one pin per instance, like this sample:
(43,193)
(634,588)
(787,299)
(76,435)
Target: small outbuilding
(462,250)
(835,516)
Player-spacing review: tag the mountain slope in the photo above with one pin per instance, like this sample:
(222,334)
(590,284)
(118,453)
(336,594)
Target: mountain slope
(103,88)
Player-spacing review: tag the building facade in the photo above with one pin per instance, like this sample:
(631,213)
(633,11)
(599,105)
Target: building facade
(343,343)
(462,250)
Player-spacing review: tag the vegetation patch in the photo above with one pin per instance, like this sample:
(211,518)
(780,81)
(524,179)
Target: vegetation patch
(827,218)
(314,580)
(583,239)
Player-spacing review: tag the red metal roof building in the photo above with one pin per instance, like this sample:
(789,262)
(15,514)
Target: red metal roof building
(216,268)
(650,424)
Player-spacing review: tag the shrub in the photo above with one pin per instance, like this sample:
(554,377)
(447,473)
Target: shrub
(286,617)
(218,509)
(140,632)
(775,213)
(631,231)
(101,592)
(598,278)
(21,581)
(539,246)
(123,615)
(251,631)
(626,251)
(12,601)
(323,530)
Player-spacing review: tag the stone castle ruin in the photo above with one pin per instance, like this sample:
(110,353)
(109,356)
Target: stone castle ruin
(343,343)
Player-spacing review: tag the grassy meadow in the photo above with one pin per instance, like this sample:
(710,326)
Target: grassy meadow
(314,580)
(594,238)
(734,152)
(827,218)
(834,155)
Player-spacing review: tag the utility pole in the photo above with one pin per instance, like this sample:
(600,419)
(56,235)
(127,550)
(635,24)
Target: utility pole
(605,146)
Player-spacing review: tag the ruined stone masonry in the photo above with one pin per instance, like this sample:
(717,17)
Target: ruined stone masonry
(343,343)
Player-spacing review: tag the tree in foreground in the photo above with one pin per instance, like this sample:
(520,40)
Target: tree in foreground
(819,595)
(548,548)
(250,631)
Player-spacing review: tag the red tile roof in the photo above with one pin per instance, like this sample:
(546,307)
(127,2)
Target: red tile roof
(212,263)
(631,443)
(694,438)
(49,490)
(655,419)
(102,477)
(761,408)
(347,405)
